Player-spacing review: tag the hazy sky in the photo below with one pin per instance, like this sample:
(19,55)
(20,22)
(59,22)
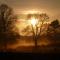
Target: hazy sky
(52,7)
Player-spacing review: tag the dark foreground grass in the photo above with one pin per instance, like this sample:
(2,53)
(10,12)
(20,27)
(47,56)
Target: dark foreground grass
(32,49)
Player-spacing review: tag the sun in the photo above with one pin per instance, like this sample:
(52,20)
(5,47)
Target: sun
(33,21)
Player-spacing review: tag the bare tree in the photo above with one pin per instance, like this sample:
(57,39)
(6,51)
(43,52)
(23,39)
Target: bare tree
(43,17)
(37,31)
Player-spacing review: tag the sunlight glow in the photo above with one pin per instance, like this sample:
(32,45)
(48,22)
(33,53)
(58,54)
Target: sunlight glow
(34,21)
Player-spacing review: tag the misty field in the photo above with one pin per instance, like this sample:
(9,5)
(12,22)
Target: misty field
(26,45)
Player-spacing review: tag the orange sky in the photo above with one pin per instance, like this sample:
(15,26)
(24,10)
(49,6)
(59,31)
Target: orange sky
(51,7)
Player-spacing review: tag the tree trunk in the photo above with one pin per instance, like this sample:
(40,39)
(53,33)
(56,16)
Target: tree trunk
(36,46)
(35,42)
(35,37)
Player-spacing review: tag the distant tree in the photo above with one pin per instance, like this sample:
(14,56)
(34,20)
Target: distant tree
(37,31)
(7,20)
(52,29)
(55,24)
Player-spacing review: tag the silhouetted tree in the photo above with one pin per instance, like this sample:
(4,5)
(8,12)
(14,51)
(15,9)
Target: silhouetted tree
(53,29)
(37,32)
(55,24)
(7,20)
